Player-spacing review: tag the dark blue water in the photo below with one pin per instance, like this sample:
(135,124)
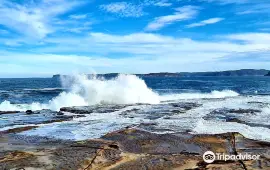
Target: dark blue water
(28,90)
(43,89)
(242,85)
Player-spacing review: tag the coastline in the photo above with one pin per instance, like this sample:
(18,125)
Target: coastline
(172,134)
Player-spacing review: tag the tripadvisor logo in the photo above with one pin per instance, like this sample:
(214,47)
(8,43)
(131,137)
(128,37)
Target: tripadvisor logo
(210,157)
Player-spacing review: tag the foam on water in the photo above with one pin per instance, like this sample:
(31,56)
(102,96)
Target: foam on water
(124,89)
(95,125)
(92,126)
(7,106)
(217,127)
(129,89)
(203,120)
(214,94)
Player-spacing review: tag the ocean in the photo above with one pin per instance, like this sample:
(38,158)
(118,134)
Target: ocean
(201,105)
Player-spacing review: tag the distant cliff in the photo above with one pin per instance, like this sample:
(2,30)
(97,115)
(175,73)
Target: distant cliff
(108,75)
(242,72)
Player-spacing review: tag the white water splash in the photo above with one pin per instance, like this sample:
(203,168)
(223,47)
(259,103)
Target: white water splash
(124,89)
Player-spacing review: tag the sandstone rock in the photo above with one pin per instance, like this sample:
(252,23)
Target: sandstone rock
(18,130)
(134,149)
(253,147)
(137,141)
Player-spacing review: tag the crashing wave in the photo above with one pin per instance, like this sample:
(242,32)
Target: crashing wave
(124,89)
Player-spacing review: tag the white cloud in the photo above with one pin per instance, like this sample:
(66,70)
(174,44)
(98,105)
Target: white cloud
(225,2)
(12,43)
(140,53)
(228,1)
(163,4)
(205,22)
(78,27)
(155,45)
(78,16)
(141,38)
(4,32)
(253,38)
(181,14)
(259,8)
(244,7)
(265,29)
(262,56)
(124,9)
(33,19)
(159,3)
(133,9)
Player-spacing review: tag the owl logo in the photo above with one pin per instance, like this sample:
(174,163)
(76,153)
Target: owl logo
(209,157)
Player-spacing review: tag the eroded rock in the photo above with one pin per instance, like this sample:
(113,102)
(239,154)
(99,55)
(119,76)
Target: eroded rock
(18,130)
(35,118)
(93,109)
(135,149)
(137,141)
(29,112)
(253,147)
(8,112)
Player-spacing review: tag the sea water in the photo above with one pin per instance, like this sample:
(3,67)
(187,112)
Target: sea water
(145,100)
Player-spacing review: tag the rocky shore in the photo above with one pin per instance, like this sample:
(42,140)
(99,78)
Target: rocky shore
(131,148)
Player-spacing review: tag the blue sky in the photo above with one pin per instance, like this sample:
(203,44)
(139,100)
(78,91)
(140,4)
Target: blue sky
(46,37)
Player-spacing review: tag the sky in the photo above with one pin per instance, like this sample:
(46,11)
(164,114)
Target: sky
(39,38)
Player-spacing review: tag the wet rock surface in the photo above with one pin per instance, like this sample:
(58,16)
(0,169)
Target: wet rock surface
(29,112)
(93,109)
(235,111)
(18,130)
(33,118)
(8,112)
(160,111)
(235,115)
(132,149)
(260,104)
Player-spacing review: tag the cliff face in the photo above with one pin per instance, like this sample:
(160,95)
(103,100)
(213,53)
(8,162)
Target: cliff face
(268,74)
(243,72)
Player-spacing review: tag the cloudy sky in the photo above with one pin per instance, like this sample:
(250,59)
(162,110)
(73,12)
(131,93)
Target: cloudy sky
(46,37)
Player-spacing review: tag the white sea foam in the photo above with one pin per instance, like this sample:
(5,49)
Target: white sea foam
(92,126)
(124,89)
(214,94)
(217,127)
(199,119)
(7,106)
